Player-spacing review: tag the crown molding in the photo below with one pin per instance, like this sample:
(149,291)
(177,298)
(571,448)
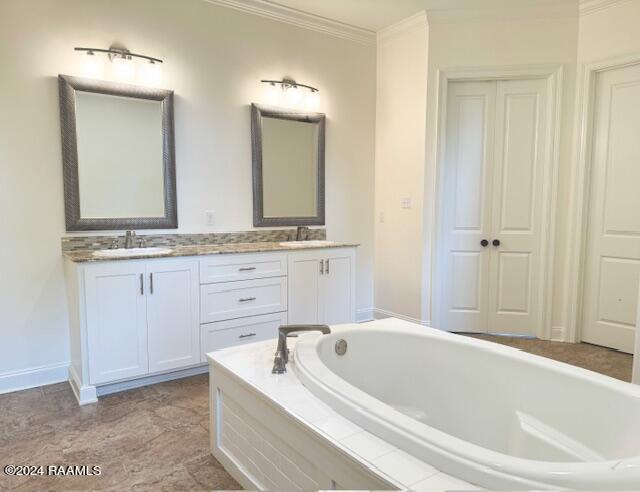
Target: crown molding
(405,25)
(591,6)
(558,10)
(298,18)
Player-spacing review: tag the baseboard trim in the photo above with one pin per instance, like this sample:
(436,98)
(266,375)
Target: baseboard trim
(383,313)
(558,334)
(107,389)
(364,315)
(33,377)
(84,394)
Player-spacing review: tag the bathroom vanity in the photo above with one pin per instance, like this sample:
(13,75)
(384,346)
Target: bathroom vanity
(144,317)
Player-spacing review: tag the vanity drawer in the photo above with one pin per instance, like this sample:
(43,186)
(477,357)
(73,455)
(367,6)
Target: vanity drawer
(223,334)
(226,268)
(230,300)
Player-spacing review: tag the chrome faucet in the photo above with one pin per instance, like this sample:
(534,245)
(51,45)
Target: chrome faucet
(282,352)
(299,231)
(129,239)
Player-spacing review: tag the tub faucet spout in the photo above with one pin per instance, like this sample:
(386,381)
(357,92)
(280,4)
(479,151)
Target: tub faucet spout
(282,352)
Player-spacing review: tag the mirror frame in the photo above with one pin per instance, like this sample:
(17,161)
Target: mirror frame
(257,113)
(68,85)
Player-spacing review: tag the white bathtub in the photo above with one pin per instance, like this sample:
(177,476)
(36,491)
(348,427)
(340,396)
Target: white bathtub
(486,413)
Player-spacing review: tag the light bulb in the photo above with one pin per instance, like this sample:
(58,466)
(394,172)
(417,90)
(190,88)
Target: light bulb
(124,69)
(93,66)
(293,96)
(272,94)
(312,100)
(151,74)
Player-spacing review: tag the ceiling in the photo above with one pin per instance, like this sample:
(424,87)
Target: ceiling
(374,15)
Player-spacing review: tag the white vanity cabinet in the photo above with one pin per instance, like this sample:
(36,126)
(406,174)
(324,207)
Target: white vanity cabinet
(322,286)
(137,321)
(116,315)
(141,317)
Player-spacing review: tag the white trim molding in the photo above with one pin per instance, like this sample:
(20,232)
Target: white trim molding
(365,314)
(553,74)
(405,25)
(591,6)
(383,313)
(298,18)
(558,334)
(33,377)
(560,9)
(581,186)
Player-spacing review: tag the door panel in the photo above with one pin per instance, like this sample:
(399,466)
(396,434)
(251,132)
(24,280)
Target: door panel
(613,249)
(465,217)
(116,322)
(338,290)
(172,314)
(514,278)
(304,288)
(520,142)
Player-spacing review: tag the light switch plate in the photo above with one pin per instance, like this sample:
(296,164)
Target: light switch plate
(210,217)
(405,202)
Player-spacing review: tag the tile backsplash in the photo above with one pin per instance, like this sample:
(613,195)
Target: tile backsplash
(76,243)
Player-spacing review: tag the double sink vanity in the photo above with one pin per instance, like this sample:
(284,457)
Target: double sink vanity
(150,308)
(141,316)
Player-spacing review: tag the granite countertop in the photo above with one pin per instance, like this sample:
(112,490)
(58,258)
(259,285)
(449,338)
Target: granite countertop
(82,256)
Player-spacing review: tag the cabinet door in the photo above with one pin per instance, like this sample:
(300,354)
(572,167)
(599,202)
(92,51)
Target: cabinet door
(172,313)
(338,287)
(304,287)
(116,321)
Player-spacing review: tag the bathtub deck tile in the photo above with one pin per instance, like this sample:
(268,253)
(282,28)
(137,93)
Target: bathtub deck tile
(337,427)
(367,446)
(253,364)
(404,467)
(441,482)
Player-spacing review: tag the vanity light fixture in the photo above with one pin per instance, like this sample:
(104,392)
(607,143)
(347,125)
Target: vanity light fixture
(287,92)
(124,67)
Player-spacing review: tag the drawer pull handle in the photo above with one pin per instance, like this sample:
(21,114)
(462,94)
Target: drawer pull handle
(248,335)
(246,299)
(246,269)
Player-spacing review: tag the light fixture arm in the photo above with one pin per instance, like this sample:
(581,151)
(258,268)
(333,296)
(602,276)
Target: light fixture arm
(119,52)
(290,83)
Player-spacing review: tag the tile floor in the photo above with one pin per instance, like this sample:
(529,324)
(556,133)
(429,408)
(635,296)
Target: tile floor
(152,438)
(599,359)
(156,438)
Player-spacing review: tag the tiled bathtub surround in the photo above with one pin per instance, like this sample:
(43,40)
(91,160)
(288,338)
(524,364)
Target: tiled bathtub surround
(250,367)
(80,243)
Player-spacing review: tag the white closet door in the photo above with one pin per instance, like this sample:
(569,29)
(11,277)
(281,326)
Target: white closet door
(516,211)
(466,218)
(613,247)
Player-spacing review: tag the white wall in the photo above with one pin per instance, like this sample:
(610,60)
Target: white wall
(214,59)
(400,153)
(498,43)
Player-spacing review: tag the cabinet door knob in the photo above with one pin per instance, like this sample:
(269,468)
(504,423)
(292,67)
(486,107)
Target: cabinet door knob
(484,243)
(496,242)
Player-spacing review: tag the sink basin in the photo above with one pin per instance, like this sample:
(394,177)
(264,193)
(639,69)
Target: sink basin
(306,244)
(124,253)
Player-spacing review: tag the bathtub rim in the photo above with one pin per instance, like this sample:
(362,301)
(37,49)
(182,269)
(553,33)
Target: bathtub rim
(472,462)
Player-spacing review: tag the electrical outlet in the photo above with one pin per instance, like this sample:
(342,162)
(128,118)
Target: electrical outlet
(210,217)
(381,217)
(405,202)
